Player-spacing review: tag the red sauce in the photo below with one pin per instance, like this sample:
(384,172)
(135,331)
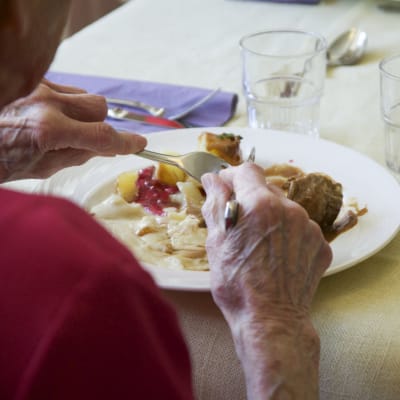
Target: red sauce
(152,194)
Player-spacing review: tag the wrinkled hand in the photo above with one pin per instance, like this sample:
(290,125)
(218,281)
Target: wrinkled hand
(269,265)
(55,127)
(264,274)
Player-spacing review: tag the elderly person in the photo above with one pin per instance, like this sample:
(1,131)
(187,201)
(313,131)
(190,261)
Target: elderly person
(54,126)
(80,319)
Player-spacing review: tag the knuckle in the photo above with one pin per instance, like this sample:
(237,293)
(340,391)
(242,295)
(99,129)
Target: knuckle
(315,229)
(85,107)
(104,136)
(44,131)
(267,204)
(209,213)
(296,213)
(99,102)
(43,93)
(246,166)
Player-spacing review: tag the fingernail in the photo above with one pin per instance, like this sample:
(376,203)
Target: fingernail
(141,141)
(133,141)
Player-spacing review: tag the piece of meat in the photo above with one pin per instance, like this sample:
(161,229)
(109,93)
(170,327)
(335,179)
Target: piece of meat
(320,195)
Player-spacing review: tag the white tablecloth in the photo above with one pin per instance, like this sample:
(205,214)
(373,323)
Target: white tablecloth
(195,42)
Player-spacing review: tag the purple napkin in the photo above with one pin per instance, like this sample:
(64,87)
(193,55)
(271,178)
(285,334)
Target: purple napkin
(215,112)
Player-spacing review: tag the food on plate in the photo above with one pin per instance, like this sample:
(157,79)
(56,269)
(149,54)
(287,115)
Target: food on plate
(156,211)
(319,195)
(126,185)
(163,225)
(170,174)
(225,146)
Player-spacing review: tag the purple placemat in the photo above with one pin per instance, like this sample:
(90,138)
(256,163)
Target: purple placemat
(174,98)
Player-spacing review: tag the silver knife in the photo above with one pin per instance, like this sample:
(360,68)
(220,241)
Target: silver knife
(156,111)
(119,113)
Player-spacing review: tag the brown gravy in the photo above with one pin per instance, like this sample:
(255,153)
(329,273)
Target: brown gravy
(349,220)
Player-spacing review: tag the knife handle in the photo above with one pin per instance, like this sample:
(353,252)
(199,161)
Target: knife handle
(156,111)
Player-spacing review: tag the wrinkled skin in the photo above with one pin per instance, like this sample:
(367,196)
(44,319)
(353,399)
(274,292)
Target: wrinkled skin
(264,271)
(56,127)
(30,32)
(264,274)
(275,254)
(46,127)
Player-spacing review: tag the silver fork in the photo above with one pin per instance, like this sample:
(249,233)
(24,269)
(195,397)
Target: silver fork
(160,111)
(252,155)
(156,111)
(195,164)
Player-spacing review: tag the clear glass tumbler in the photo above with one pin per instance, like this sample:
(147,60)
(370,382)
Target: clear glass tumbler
(389,69)
(283,79)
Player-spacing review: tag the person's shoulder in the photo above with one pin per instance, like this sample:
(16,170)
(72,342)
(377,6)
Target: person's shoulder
(84,293)
(54,230)
(15,203)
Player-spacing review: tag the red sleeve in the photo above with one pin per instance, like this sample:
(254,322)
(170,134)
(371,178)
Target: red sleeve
(83,320)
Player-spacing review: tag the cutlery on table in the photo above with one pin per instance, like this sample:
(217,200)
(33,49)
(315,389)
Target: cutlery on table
(119,113)
(347,49)
(156,111)
(161,111)
(195,164)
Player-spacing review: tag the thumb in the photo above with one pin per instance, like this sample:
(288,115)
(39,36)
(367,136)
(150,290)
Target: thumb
(218,193)
(128,143)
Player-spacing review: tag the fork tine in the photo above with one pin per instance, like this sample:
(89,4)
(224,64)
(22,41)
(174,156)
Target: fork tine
(194,164)
(252,155)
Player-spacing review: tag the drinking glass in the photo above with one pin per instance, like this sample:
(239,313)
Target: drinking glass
(283,79)
(390,109)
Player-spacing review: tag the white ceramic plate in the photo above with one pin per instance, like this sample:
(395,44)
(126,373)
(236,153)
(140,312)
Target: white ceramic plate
(362,179)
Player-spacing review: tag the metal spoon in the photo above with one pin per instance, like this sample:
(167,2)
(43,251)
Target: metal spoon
(348,48)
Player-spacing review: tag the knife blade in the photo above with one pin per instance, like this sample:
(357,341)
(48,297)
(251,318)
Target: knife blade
(120,113)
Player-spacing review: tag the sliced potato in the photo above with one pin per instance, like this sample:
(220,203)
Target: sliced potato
(224,145)
(126,185)
(169,174)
